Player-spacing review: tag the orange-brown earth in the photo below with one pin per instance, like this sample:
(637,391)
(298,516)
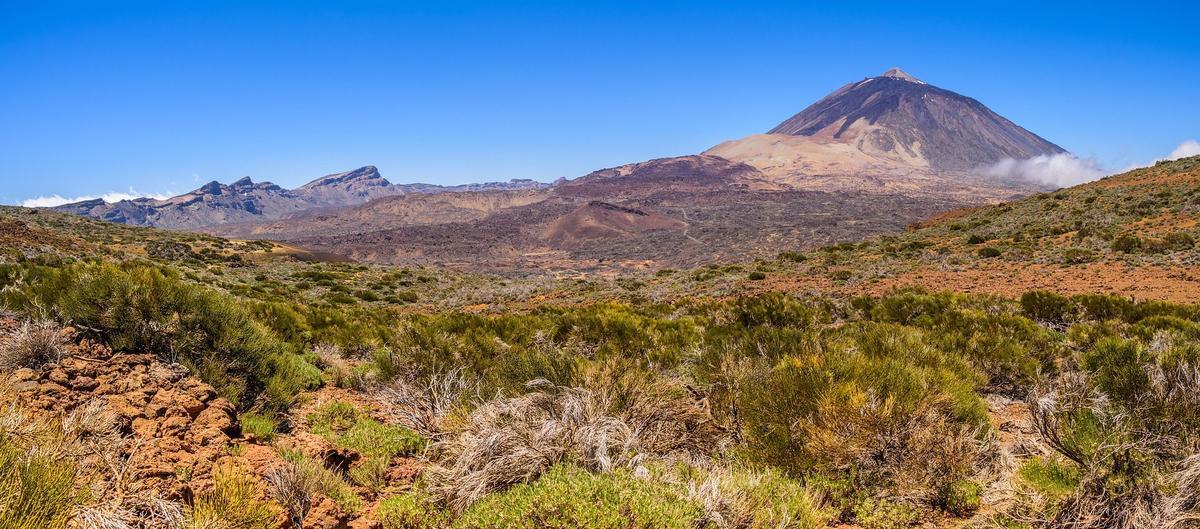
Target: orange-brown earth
(177,432)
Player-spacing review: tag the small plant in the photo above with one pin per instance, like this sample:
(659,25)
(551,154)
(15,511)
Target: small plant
(571,497)
(1179,241)
(412,511)
(1078,256)
(975,238)
(961,498)
(36,490)
(883,514)
(305,474)
(989,252)
(1052,478)
(233,502)
(261,426)
(347,427)
(372,438)
(333,417)
(370,473)
(294,485)
(757,276)
(33,345)
(1127,244)
(841,275)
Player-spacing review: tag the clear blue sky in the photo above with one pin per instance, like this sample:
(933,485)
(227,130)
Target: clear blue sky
(162,96)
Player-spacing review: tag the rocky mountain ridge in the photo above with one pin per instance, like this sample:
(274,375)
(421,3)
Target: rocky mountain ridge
(244,200)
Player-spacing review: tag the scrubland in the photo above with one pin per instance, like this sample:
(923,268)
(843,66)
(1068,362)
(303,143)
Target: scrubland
(804,392)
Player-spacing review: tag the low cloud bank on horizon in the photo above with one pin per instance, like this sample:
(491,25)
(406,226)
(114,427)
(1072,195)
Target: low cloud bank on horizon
(1066,170)
(110,197)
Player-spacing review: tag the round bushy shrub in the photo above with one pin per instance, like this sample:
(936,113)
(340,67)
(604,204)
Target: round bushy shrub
(989,252)
(961,498)
(1127,244)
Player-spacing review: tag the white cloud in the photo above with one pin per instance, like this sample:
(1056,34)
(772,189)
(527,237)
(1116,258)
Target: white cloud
(1185,149)
(1058,170)
(110,197)
(1065,170)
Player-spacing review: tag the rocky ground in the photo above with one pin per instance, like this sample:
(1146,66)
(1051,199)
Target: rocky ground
(175,432)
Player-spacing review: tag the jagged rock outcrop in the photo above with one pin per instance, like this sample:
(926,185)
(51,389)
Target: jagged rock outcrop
(179,426)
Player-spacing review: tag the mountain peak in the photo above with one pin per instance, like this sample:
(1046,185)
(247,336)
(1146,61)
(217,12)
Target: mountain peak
(898,116)
(896,73)
(211,188)
(365,174)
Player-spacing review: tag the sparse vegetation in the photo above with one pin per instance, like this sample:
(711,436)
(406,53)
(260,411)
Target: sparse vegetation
(571,497)
(262,427)
(35,344)
(233,502)
(637,401)
(37,489)
(302,477)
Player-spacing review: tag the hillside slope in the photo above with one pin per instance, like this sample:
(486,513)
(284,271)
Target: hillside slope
(1133,233)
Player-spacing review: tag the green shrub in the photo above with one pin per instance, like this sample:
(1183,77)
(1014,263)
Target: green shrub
(1052,478)
(141,308)
(961,498)
(869,389)
(333,418)
(324,480)
(262,426)
(1117,367)
(1179,241)
(570,497)
(371,437)
(1048,307)
(233,501)
(36,489)
(1127,243)
(989,252)
(412,511)
(883,514)
(1078,256)
(370,473)
(347,427)
(757,276)
(976,239)
(776,309)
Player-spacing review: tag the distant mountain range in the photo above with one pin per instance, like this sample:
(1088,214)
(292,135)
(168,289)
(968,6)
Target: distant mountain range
(869,158)
(215,204)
